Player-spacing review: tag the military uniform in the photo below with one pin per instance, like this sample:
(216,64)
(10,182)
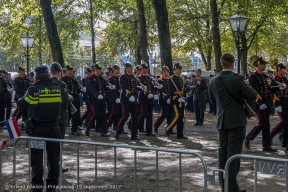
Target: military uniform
(108,97)
(86,99)
(73,89)
(21,85)
(280,99)
(177,102)
(199,98)
(231,119)
(44,101)
(259,83)
(3,99)
(128,97)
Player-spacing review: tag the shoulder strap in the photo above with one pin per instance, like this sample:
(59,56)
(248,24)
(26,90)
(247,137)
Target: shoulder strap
(227,90)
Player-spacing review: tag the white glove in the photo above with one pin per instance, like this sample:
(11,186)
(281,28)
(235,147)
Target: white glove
(263,106)
(187,94)
(159,87)
(118,100)
(84,89)
(282,86)
(132,98)
(150,96)
(111,87)
(181,100)
(10,90)
(168,101)
(71,97)
(278,109)
(142,87)
(100,97)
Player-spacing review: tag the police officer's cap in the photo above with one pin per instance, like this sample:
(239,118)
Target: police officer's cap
(177,66)
(128,64)
(115,67)
(144,65)
(41,70)
(96,66)
(228,57)
(69,67)
(259,61)
(280,66)
(165,69)
(138,67)
(196,70)
(56,66)
(21,68)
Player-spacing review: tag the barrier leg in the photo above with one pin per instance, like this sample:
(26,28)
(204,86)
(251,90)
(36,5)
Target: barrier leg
(255,175)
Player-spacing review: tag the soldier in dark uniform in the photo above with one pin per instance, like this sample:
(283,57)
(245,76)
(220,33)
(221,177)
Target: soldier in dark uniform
(108,95)
(231,119)
(177,100)
(86,96)
(259,83)
(74,90)
(115,115)
(199,87)
(98,87)
(21,85)
(280,99)
(164,98)
(3,98)
(145,100)
(10,90)
(31,78)
(128,97)
(44,101)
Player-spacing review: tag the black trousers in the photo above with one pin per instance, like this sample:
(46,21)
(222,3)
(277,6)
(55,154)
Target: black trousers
(199,108)
(264,126)
(90,121)
(146,112)
(282,126)
(47,130)
(230,143)
(114,115)
(8,109)
(177,118)
(164,111)
(126,109)
(2,114)
(76,116)
(100,117)
(109,109)
(20,112)
(62,129)
(86,113)
(138,113)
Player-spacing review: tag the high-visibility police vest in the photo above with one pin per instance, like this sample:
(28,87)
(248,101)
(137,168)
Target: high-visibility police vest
(45,100)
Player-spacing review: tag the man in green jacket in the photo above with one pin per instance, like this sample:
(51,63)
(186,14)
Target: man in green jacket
(231,118)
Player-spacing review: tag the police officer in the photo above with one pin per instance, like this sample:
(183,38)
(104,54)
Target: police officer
(44,101)
(164,98)
(10,90)
(3,98)
(177,100)
(280,99)
(199,87)
(259,83)
(74,90)
(21,85)
(128,97)
(98,87)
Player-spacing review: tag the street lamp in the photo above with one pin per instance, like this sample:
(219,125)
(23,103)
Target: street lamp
(238,24)
(27,42)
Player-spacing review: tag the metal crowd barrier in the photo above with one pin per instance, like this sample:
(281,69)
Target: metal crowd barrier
(40,143)
(262,164)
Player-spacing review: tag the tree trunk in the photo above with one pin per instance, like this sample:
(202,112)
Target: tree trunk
(143,31)
(216,33)
(92,33)
(52,32)
(40,41)
(163,33)
(243,51)
(138,56)
(209,58)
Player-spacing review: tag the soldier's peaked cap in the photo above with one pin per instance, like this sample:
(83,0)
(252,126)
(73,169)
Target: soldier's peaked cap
(69,67)
(177,66)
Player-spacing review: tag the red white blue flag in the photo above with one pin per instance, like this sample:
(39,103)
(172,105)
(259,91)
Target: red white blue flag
(13,128)
(3,144)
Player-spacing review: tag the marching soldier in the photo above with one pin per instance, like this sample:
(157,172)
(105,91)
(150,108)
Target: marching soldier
(128,97)
(86,96)
(164,98)
(44,101)
(199,87)
(108,94)
(9,94)
(3,98)
(98,87)
(74,90)
(21,85)
(145,88)
(259,83)
(177,100)
(281,103)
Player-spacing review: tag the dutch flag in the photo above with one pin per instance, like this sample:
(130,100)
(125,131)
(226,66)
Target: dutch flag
(12,128)
(3,144)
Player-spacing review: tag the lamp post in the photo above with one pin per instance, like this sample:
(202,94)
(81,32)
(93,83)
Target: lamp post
(27,42)
(238,24)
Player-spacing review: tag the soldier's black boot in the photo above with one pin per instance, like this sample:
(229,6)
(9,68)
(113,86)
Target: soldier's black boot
(247,143)
(116,135)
